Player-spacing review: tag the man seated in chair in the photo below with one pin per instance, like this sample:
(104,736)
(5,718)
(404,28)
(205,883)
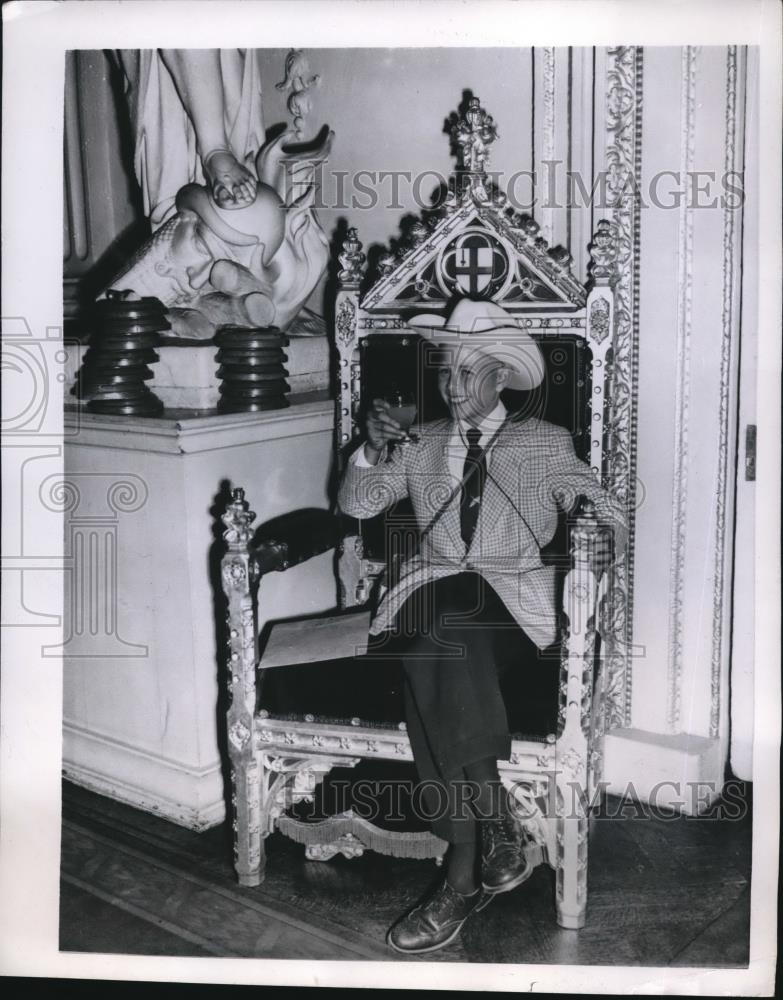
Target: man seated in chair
(485,489)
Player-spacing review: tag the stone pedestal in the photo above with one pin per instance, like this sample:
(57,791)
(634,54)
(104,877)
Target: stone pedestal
(143,701)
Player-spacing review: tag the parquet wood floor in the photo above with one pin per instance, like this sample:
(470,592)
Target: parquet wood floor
(663,891)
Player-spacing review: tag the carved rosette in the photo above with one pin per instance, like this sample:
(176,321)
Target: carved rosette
(239,735)
(599,320)
(235,574)
(346,322)
(571,761)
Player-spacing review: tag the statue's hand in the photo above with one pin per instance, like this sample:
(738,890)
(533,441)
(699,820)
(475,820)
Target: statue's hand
(234,279)
(252,296)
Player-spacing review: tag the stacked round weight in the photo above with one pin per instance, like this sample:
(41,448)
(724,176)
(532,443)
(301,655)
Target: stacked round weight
(122,347)
(252,369)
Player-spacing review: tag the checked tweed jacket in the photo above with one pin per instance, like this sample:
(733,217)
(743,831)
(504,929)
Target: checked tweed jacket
(532,467)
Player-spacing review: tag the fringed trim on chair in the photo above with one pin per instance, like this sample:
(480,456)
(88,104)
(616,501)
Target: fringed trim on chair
(350,835)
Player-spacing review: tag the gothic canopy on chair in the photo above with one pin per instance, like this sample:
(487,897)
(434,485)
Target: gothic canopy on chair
(475,245)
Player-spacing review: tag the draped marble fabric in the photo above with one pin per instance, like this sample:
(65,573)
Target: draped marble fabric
(166,155)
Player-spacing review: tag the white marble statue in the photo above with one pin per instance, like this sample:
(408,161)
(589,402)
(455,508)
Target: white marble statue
(235,237)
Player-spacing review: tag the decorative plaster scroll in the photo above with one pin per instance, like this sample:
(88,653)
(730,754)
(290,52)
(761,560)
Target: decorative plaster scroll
(682,390)
(728,334)
(623,163)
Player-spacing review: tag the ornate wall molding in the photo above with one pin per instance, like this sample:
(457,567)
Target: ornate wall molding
(682,392)
(548,138)
(729,333)
(623,166)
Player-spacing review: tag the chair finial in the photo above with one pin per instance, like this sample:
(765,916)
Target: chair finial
(237,518)
(351,260)
(474,133)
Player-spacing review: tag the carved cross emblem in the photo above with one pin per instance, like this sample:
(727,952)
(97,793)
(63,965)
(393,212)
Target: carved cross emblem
(476,263)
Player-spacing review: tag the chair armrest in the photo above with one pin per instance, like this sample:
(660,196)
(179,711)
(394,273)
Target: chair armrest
(294,538)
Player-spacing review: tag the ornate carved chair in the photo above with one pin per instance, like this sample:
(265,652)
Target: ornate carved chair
(311,702)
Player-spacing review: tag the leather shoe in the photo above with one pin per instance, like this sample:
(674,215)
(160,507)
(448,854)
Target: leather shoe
(436,922)
(504,864)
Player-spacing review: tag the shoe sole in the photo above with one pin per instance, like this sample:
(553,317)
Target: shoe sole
(482,903)
(508,886)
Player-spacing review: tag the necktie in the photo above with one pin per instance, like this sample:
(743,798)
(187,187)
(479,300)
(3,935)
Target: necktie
(475,472)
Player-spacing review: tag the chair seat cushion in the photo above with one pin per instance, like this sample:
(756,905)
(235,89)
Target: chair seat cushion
(369,692)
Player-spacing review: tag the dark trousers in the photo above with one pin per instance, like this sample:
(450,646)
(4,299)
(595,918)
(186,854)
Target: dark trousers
(456,638)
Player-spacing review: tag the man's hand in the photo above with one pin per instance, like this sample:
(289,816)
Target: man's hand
(381,429)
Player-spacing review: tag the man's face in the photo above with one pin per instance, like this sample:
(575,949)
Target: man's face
(471,385)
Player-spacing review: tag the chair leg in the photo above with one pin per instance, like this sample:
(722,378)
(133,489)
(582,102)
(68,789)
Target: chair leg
(249,853)
(571,892)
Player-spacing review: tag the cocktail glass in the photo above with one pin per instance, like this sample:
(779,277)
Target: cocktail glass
(402,408)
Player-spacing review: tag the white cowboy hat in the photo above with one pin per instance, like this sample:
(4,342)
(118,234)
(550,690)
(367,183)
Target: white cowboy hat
(486,327)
